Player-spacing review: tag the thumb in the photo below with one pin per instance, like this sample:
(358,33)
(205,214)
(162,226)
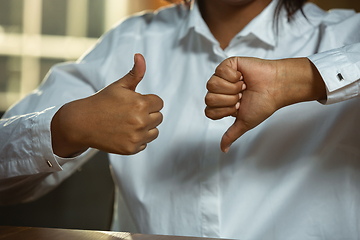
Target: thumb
(136,74)
(234,132)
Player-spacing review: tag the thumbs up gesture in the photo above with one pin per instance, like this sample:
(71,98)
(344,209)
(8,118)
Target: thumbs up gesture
(115,120)
(252,89)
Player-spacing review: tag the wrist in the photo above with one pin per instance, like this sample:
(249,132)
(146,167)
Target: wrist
(65,127)
(299,81)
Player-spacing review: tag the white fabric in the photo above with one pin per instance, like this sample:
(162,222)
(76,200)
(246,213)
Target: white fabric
(295,176)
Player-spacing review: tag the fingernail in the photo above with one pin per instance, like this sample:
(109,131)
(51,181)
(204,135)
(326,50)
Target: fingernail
(241,77)
(244,86)
(237,105)
(240,95)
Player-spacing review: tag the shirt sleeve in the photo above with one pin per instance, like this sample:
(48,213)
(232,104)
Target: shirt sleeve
(28,166)
(338,54)
(340,70)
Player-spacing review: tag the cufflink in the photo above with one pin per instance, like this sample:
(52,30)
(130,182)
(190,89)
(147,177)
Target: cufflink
(49,163)
(340,77)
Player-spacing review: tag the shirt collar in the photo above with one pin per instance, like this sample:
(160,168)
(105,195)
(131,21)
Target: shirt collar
(261,26)
(196,22)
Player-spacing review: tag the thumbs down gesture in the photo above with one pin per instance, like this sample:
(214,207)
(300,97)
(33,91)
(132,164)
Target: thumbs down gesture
(252,89)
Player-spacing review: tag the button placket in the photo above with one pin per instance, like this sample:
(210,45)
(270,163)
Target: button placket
(210,192)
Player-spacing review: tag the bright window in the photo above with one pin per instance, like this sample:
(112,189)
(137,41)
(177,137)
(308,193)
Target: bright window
(36,34)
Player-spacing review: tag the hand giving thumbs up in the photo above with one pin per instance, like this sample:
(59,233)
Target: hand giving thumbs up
(116,119)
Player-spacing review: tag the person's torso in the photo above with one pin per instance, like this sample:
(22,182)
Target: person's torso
(295,175)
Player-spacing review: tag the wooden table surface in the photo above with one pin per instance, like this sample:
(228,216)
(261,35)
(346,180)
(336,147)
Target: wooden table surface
(31,233)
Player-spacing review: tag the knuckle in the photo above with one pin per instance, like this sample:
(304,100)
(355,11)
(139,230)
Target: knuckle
(152,96)
(238,86)
(209,100)
(135,139)
(132,72)
(158,101)
(161,118)
(141,104)
(130,149)
(139,122)
(156,134)
(209,113)
(220,70)
(232,60)
(161,103)
(212,85)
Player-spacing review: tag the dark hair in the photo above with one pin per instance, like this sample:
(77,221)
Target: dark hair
(291,7)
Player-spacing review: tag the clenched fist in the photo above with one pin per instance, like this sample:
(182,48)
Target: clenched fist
(115,120)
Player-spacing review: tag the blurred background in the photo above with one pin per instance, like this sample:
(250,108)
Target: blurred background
(36,34)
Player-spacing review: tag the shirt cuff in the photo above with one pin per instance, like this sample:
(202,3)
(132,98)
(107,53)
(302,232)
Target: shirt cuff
(43,145)
(41,141)
(339,74)
(61,161)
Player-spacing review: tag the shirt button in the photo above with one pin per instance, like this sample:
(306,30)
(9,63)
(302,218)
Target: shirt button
(49,163)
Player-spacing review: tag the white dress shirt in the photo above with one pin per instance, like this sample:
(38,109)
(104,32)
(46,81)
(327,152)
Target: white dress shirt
(295,176)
